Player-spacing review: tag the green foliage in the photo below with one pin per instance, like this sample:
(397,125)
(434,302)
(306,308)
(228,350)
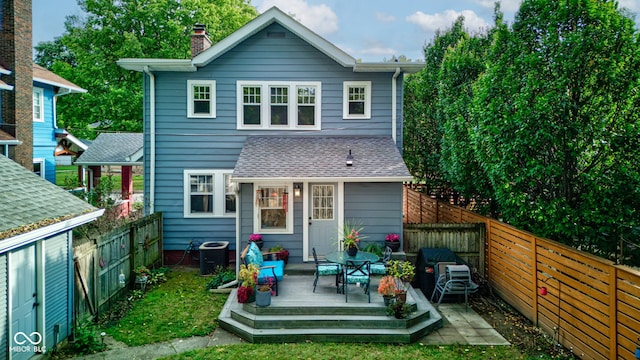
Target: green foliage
(220,277)
(87,52)
(373,248)
(86,341)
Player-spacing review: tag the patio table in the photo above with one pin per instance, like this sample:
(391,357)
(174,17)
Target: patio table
(341,257)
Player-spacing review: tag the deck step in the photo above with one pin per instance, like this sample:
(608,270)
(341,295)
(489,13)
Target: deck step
(299,315)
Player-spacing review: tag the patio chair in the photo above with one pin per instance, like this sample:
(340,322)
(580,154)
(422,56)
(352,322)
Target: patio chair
(380,267)
(324,269)
(357,272)
(456,280)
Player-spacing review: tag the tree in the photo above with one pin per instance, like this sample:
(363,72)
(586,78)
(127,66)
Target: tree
(558,121)
(422,127)
(87,52)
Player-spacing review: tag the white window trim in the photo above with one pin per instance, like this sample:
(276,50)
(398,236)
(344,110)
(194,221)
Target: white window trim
(42,162)
(257,226)
(265,105)
(219,193)
(212,102)
(367,99)
(40,93)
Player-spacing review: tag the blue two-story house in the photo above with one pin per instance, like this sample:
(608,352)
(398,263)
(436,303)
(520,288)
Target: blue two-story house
(276,131)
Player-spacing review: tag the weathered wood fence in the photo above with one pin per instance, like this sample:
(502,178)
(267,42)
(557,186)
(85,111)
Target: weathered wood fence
(591,306)
(99,262)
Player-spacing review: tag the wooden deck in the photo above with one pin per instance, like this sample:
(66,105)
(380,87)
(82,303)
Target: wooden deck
(298,314)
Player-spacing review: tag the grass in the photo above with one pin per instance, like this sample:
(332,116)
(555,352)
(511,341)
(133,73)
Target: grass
(66,175)
(181,307)
(178,308)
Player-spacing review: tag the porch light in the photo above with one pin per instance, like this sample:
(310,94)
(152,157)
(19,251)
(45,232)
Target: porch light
(297,191)
(349,159)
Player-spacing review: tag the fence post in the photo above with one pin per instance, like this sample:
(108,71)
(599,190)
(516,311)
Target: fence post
(613,311)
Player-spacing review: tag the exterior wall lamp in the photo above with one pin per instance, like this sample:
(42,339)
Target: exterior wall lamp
(297,190)
(349,159)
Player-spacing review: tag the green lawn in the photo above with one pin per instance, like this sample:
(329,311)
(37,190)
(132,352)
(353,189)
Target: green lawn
(67,177)
(182,307)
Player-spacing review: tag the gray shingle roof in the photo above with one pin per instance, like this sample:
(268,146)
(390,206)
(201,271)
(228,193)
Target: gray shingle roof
(26,198)
(315,157)
(112,149)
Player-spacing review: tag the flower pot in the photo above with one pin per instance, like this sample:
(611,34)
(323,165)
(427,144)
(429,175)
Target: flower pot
(401,296)
(263,298)
(394,245)
(387,299)
(352,251)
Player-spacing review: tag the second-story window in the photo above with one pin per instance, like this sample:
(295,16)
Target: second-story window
(201,98)
(357,100)
(38,104)
(285,105)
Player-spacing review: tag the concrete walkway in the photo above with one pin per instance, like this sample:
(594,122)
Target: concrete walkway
(459,327)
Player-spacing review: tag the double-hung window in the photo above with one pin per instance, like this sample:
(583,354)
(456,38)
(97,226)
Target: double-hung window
(209,193)
(201,97)
(38,104)
(356,100)
(272,207)
(279,105)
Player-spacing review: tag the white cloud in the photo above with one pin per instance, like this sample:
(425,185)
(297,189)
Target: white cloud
(507,6)
(441,21)
(319,18)
(385,17)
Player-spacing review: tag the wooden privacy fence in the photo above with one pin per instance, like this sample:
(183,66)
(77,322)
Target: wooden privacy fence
(588,304)
(98,264)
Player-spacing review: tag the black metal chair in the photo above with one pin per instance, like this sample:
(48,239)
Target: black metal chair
(357,272)
(324,269)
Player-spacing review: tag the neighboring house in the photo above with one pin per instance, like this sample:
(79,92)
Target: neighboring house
(48,139)
(276,131)
(123,150)
(36,260)
(47,87)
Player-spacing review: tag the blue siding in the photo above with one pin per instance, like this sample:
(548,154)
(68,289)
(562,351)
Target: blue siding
(44,141)
(4,310)
(375,206)
(184,143)
(57,263)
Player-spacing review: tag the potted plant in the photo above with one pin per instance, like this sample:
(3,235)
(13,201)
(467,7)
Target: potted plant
(403,273)
(142,276)
(351,238)
(387,288)
(264,292)
(247,277)
(399,309)
(256,238)
(280,253)
(393,241)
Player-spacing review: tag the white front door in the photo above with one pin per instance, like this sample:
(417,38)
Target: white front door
(22,277)
(323,222)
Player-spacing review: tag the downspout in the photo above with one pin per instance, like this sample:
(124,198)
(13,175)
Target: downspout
(152,139)
(55,106)
(394,105)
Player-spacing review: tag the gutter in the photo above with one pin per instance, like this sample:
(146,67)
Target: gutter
(152,139)
(394,105)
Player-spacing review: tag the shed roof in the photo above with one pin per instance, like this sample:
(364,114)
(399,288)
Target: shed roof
(375,159)
(113,149)
(30,202)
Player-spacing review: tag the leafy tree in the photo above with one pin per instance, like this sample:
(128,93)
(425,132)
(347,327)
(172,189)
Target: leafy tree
(422,126)
(558,121)
(87,52)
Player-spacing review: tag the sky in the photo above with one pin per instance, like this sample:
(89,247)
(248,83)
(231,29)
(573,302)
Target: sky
(370,30)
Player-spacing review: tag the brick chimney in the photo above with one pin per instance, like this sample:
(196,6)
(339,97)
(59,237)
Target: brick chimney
(199,40)
(16,56)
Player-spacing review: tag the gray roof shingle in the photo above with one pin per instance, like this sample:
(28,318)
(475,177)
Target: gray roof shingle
(375,158)
(112,149)
(26,198)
